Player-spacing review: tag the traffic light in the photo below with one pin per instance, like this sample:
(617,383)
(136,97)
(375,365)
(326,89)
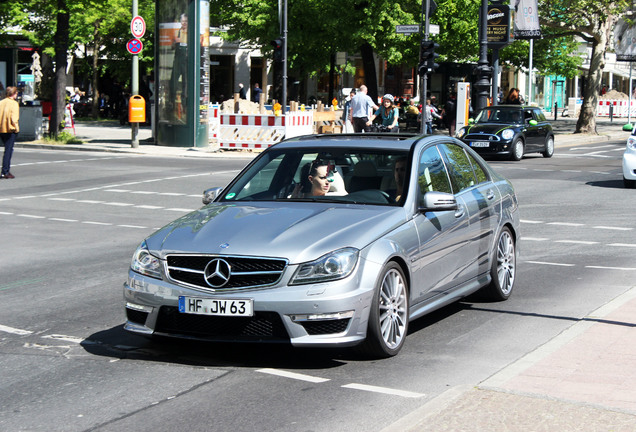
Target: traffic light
(278,49)
(429,55)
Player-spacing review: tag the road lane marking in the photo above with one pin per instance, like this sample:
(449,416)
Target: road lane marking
(96,223)
(31,216)
(630,245)
(612,268)
(577,242)
(531,221)
(534,239)
(384,390)
(551,263)
(613,228)
(13,330)
(292,375)
(63,220)
(574,224)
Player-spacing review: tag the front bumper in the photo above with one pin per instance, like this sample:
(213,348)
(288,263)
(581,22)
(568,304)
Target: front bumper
(629,165)
(326,314)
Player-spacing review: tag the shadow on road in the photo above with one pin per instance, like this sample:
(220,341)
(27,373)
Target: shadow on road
(612,184)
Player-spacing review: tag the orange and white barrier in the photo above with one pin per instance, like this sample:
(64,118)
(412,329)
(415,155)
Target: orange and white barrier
(258,131)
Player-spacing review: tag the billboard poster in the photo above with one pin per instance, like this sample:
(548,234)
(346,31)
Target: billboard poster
(526,20)
(625,41)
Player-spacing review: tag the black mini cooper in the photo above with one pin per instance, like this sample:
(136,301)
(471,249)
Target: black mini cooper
(509,130)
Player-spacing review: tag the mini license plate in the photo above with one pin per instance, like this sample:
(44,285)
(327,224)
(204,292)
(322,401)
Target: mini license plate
(220,307)
(480,144)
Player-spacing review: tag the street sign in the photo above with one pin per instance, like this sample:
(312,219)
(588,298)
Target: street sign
(134,46)
(407,29)
(138,27)
(433,29)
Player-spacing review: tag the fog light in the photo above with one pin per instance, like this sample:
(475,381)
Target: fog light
(140,308)
(322,317)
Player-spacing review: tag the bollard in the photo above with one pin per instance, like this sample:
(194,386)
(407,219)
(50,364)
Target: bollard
(611,113)
(556,110)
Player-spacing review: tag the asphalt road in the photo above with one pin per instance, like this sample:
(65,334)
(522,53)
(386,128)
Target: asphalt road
(69,225)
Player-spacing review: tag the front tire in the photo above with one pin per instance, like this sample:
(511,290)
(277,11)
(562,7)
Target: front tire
(549,147)
(629,184)
(504,267)
(388,319)
(516,152)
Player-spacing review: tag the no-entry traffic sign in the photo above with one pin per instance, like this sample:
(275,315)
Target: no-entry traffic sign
(134,46)
(138,26)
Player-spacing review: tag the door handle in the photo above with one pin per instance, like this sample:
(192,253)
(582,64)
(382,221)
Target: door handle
(459,212)
(490,194)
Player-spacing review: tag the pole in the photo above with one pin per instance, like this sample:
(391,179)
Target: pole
(530,73)
(495,76)
(426,5)
(483,70)
(284,95)
(134,127)
(629,106)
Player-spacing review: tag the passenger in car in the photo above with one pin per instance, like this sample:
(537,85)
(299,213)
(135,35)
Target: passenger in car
(399,173)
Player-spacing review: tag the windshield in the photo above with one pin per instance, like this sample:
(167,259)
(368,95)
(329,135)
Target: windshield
(505,116)
(336,175)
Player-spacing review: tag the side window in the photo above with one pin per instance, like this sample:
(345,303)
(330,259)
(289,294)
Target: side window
(528,115)
(431,173)
(539,115)
(459,167)
(479,171)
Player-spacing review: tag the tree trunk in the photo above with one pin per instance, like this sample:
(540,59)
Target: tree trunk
(332,75)
(368,63)
(95,78)
(61,49)
(587,118)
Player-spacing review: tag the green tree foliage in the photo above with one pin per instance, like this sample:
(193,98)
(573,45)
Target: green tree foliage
(593,21)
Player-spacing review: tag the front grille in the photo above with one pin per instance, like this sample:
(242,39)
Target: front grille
(326,326)
(136,316)
(262,327)
(481,137)
(246,272)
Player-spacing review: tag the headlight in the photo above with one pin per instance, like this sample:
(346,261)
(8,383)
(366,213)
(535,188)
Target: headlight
(631,143)
(145,263)
(507,134)
(460,133)
(335,265)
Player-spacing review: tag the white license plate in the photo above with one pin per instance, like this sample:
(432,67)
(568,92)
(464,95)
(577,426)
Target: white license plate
(480,144)
(221,307)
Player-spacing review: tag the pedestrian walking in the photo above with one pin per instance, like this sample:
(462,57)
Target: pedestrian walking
(9,128)
(430,112)
(360,106)
(256,93)
(450,113)
(242,91)
(347,111)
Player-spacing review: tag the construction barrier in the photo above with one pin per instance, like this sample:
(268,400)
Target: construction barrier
(620,108)
(258,131)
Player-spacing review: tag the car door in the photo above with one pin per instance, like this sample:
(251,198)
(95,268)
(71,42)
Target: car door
(444,251)
(531,131)
(543,128)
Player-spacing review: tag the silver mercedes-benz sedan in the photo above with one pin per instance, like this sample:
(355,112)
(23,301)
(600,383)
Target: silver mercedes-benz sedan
(331,241)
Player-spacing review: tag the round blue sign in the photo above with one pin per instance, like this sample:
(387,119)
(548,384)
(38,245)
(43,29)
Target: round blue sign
(134,46)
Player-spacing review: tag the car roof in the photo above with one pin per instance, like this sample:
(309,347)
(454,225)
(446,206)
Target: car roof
(368,141)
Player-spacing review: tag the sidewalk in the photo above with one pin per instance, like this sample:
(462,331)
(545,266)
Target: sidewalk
(111,137)
(583,380)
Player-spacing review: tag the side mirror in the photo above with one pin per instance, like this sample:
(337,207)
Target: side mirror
(471,121)
(532,122)
(438,201)
(210,195)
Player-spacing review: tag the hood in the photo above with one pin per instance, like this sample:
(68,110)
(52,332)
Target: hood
(299,232)
(488,128)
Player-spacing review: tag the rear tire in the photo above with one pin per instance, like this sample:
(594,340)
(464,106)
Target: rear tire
(516,151)
(389,316)
(549,147)
(503,268)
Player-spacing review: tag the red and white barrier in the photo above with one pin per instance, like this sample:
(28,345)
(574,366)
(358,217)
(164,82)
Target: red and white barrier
(620,108)
(258,131)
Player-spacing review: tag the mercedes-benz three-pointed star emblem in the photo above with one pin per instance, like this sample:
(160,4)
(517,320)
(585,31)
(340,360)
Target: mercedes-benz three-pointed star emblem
(217,273)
